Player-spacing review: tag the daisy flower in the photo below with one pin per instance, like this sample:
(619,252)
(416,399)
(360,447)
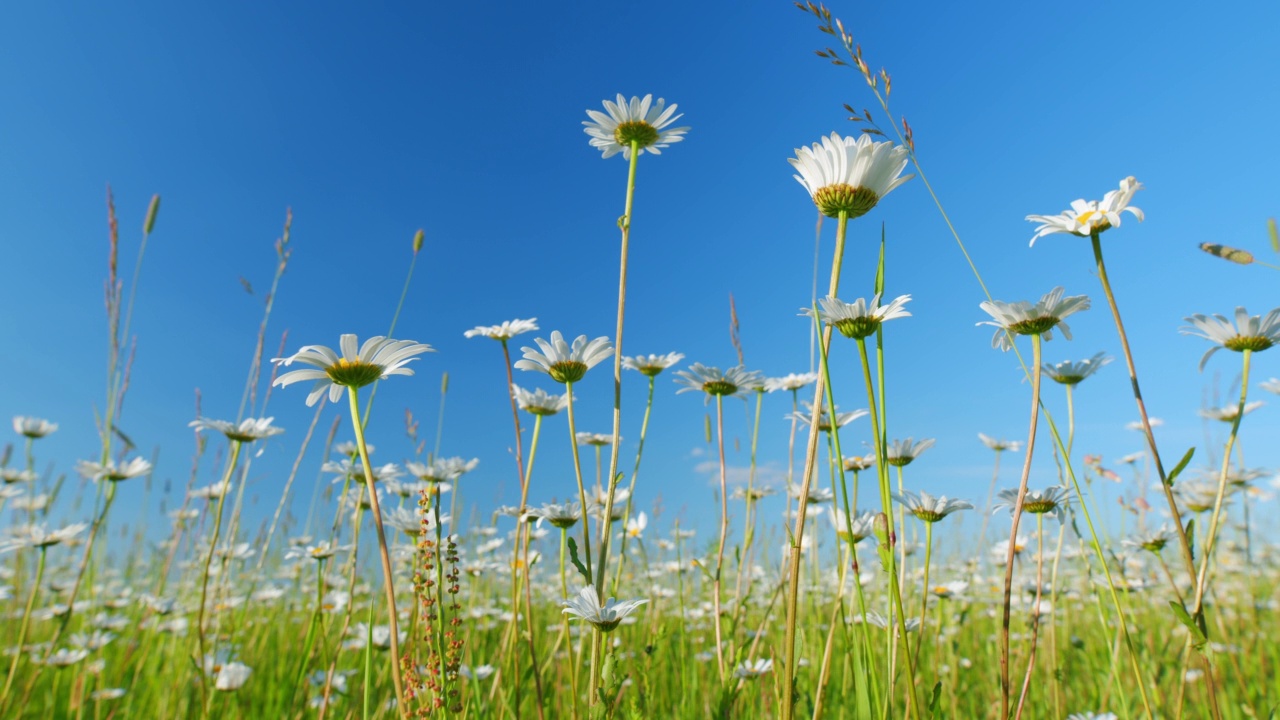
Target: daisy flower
(1072,373)
(1271,386)
(1089,217)
(859,319)
(1092,716)
(586,605)
(817,495)
(754,493)
(232,676)
(928,508)
(1255,333)
(1152,541)
(562,516)
(651,365)
(1000,445)
(32,427)
(442,470)
(17,475)
(503,332)
(1229,413)
(858,463)
(641,121)
(111,471)
(824,419)
(753,669)
(590,438)
(790,381)
(863,525)
(539,401)
(1023,318)
(360,365)
(901,452)
(1052,499)
(562,362)
(245,431)
(713,381)
(39,536)
(636,525)
(850,175)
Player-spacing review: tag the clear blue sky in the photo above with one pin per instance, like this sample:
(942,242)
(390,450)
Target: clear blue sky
(464,119)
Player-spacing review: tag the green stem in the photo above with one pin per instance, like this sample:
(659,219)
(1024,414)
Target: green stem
(631,490)
(22,632)
(577,473)
(213,544)
(724,533)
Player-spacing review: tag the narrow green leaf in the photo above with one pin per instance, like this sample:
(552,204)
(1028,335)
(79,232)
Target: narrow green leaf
(573,555)
(933,700)
(1191,536)
(1185,618)
(1275,235)
(1177,469)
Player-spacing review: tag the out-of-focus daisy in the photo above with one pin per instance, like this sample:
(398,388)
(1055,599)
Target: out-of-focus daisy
(246,431)
(1136,425)
(32,427)
(212,492)
(636,525)
(18,475)
(359,365)
(1000,445)
(901,452)
(480,672)
(858,463)
(505,331)
(863,525)
(791,381)
(1072,373)
(858,319)
(562,516)
(1229,413)
(651,365)
(539,401)
(107,694)
(586,605)
(112,472)
(1024,318)
(884,623)
(590,438)
(65,657)
(928,508)
(232,676)
(753,493)
(1152,541)
(1092,716)
(412,521)
(1198,496)
(345,468)
(824,420)
(1087,217)
(565,363)
(1052,499)
(849,174)
(442,470)
(715,382)
(753,669)
(318,551)
(949,590)
(1271,386)
(1251,332)
(817,495)
(350,449)
(40,536)
(642,121)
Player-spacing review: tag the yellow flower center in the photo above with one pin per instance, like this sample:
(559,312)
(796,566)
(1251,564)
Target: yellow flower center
(353,373)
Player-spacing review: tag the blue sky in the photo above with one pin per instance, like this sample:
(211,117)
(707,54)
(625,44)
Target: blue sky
(464,120)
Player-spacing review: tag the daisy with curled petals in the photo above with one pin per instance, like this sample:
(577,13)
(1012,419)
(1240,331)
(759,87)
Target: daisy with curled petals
(1090,217)
(586,606)
(1024,318)
(1073,373)
(847,175)
(651,365)
(245,431)
(791,382)
(503,332)
(1251,333)
(539,401)
(33,428)
(718,383)
(112,472)
(564,363)
(859,319)
(359,365)
(640,124)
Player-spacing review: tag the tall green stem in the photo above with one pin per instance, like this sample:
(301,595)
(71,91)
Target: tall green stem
(577,473)
(631,490)
(22,632)
(724,533)
(213,545)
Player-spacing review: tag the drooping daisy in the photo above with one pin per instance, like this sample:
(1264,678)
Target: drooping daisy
(928,508)
(1087,217)
(1073,373)
(849,174)
(1023,318)
(112,472)
(902,452)
(539,401)
(359,365)
(246,431)
(32,427)
(651,365)
(586,605)
(1254,333)
(1229,413)
(641,121)
(565,363)
(1000,445)
(715,382)
(859,319)
(791,381)
(503,332)
(1052,499)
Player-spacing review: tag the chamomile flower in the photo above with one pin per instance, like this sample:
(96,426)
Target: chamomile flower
(902,452)
(1089,217)
(862,525)
(817,495)
(1000,445)
(715,382)
(1152,541)
(17,475)
(32,427)
(539,401)
(505,331)
(636,525)
(1229,413)
(849,174)
(246,431)
(1254,333)
(858,319)
(442,470)
(596,439)
(642,121)
(928,508)
(562,516)
(1072,373)
(379,357)
(232,676)
(753,669)
(651,365)
(40,536)
(1092,716)
(824,419)
(112,472)
(1052,499)
(791,381)
(565,363)
(1271,386)
(858,463)
(586,605)
(1024,318)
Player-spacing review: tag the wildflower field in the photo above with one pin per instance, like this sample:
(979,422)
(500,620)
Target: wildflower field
(319,548)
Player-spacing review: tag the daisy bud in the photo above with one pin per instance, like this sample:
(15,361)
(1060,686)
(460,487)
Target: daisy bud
(417,241)
(881,528)
(152,210)
(1235,255)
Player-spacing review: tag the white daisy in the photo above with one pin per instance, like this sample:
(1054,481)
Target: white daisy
(539,402)
(562,362)
(753,669)
(232,676)
(39,536)
(859,319)
(1072,373)
(33,427)
(18,475)
(1000,445)
(1153,540)
(824,419)
(1052,499)
(1086,218)
(641,121)
(636,525)
(1023,318)
(1271,386)
(862,525)
(1254,333)
(849,174)
(590,438)
(245,431)
(111,471)
(1229,413)
(586,605)
(928,508)
(790,381)
(505,331)
(902,452)
(651,365)
(377,358)
(713,381)
(562,516)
